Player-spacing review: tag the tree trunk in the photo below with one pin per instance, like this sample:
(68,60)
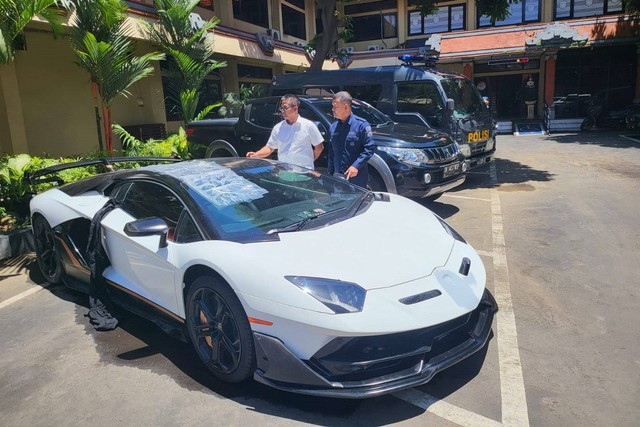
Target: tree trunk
(327,40)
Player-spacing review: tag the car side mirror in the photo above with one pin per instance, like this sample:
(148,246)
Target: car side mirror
(153,226)
(321,128)
(451,104)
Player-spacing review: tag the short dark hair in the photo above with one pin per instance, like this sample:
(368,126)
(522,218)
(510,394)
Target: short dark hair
(343,97)
(292,100)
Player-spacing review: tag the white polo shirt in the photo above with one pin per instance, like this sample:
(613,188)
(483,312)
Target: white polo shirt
(295,142)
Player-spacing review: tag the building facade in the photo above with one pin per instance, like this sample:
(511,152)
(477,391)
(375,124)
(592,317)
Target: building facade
(549,58)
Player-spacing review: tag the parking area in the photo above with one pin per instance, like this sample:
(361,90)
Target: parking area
(555,219)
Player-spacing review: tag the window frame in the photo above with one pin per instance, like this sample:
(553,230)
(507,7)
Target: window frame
(523,15)
(449,29)
(382,15)
(294,8)
(572,15)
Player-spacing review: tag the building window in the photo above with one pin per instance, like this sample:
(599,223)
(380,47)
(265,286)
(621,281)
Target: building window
(253,11)
(374,27)
(586,8)
(254,80)
(293,19)
(445,20)
(524,11)
(381,24)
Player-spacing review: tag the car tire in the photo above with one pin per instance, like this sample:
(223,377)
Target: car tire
(46,252)
(219,330)
(587,124)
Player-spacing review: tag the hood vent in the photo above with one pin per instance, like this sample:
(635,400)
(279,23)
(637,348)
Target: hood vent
(420,297)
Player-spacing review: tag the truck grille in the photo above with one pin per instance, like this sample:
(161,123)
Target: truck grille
(442,154)
(478,147)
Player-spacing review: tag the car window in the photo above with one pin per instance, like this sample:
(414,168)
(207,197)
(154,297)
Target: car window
(250,199)
(467,100)
(187,231)
(147,199)
(309,114)
(421,97)
(262,114)
(368,93)
(359,108)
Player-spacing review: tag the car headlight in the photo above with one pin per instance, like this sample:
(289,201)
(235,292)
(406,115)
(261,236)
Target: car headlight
(409,156)
(490,143)
(339,296)
(449,229)
(465,149)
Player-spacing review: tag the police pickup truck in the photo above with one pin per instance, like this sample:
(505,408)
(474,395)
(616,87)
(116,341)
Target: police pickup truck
(409,160)
(410,93)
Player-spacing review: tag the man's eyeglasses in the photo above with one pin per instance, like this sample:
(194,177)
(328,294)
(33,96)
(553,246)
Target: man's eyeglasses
(286,107)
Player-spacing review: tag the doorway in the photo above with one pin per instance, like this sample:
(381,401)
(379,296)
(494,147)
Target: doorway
(507,94)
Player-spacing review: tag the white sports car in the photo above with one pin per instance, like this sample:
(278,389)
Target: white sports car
(303,281)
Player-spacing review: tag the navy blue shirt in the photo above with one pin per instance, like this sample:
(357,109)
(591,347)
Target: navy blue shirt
(351,145)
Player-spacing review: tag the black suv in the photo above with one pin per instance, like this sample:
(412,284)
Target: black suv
(410,160)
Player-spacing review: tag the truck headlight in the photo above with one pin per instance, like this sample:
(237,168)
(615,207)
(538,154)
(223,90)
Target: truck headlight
(465,149)
(339,296)
(490,143)
(409,156)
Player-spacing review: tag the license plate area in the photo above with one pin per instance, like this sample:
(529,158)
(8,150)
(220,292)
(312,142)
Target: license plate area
(450,170)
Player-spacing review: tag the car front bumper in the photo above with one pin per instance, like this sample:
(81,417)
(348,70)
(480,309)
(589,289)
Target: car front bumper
(410,359)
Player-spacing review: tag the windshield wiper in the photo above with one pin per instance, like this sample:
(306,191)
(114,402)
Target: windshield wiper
(297,226)
(362,202)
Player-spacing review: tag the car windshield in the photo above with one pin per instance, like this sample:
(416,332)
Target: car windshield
(467,100)
(359,108)
(253,199)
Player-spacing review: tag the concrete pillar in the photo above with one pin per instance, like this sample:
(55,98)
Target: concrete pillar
(467,69)
(13,134)
(549,77)
(637,94)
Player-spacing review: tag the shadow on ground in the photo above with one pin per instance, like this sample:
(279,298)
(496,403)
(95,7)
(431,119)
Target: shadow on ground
(140,344)
(608,138)
(510,176)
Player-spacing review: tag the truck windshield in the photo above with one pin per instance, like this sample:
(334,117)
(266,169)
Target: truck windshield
(466,98)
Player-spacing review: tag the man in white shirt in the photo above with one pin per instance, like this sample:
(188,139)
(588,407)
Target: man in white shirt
(297,139)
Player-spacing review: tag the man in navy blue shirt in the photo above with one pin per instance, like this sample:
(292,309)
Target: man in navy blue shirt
(351,142)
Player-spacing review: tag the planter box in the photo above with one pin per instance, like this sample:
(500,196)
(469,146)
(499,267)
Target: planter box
(16,242)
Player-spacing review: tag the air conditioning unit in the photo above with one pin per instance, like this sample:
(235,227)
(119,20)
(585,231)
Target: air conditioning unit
(349,49)
(373,47)
(274,33)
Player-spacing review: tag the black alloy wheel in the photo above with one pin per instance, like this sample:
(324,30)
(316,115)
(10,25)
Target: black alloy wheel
(219,330)
(46,251)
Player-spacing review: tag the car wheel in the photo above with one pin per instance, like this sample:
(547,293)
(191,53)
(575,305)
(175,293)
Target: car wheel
(46,251)
(587,124)
(219,330)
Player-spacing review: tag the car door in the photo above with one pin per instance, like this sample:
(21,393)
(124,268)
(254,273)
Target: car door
(140,263)
(254,128)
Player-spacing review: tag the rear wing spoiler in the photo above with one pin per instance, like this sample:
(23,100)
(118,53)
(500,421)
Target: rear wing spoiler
(42,175)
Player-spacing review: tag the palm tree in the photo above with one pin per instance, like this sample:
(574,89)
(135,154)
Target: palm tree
(107,53)
(14,17)
(190,55)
